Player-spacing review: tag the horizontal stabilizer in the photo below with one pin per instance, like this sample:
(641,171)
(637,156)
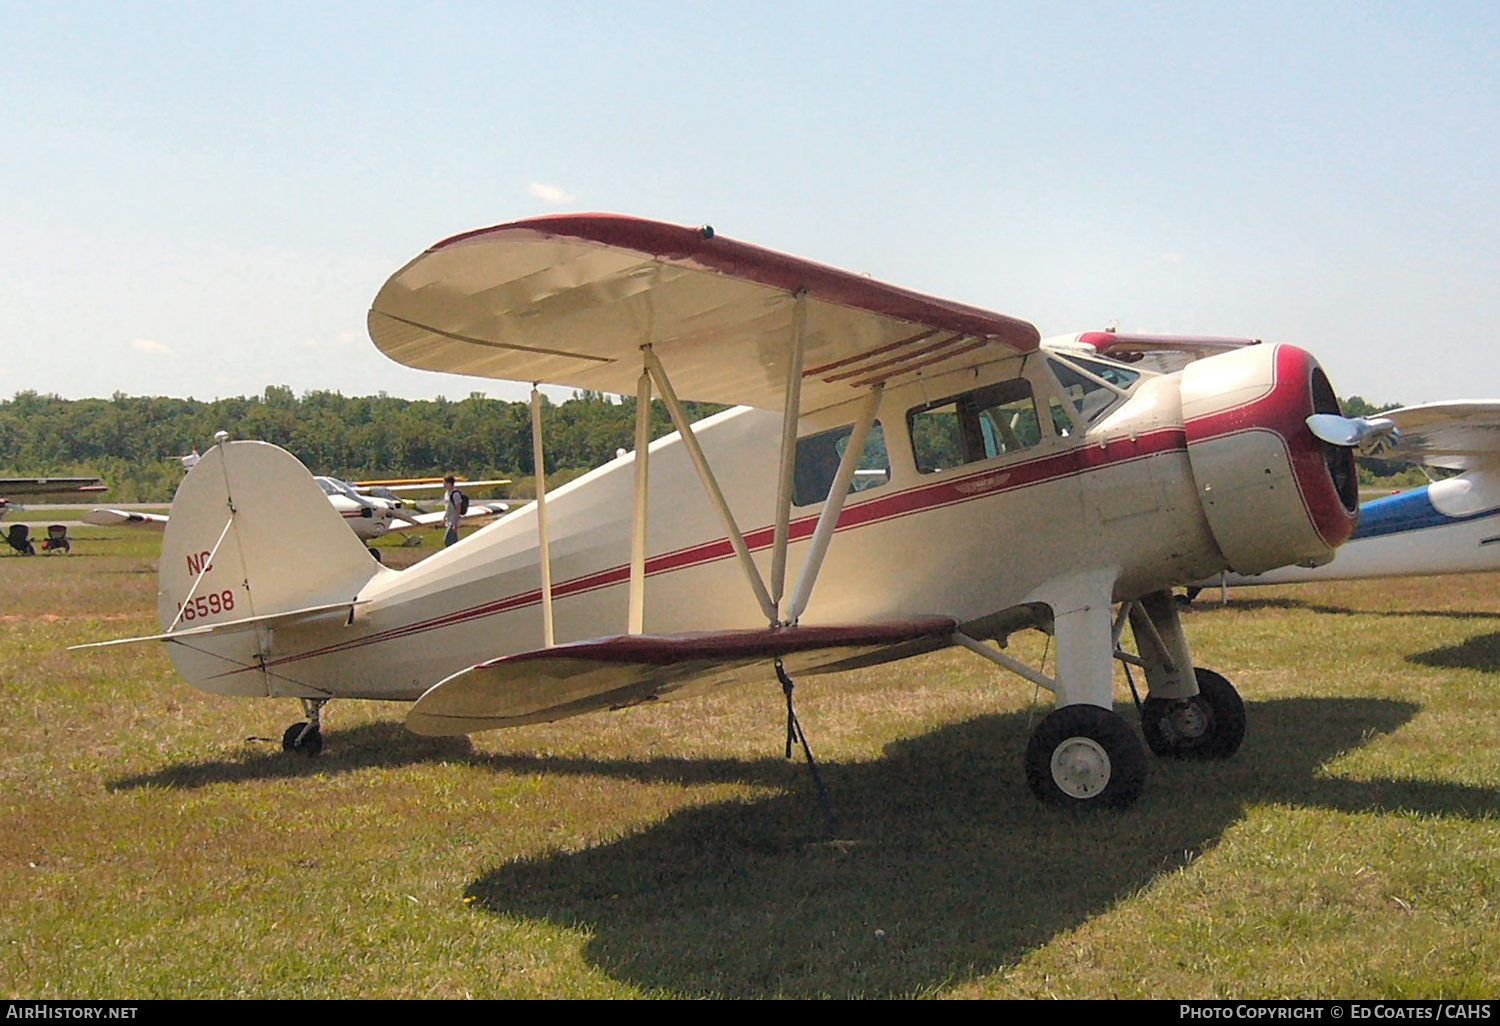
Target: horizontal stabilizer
(607,673)
(331,613)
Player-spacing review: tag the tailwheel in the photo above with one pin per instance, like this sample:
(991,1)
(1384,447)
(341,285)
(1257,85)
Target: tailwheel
(1083,756)
(1210,725)
(306,738)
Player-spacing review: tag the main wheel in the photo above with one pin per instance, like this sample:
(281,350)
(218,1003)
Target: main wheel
(1085,757)
(309,746)
(1210,725)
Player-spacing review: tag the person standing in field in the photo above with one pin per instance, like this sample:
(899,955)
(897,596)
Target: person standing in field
(454,502)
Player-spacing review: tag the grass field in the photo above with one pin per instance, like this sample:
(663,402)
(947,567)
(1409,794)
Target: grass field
(1351,848)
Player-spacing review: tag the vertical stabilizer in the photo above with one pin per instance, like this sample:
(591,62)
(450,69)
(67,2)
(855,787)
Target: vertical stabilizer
(251,534)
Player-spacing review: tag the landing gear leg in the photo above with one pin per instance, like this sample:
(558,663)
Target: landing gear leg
(1191,712)
(1083,754)
(306,738)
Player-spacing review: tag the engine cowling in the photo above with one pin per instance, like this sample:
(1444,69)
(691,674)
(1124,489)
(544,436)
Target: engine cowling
(1272,493)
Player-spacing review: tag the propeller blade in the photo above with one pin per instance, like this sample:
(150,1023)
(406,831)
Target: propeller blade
(1371,435)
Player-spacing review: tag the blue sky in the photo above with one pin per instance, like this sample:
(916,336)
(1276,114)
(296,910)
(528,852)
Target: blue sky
(202,199)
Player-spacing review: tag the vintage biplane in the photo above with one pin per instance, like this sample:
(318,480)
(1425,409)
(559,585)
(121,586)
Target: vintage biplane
(1449,526)
(901,473)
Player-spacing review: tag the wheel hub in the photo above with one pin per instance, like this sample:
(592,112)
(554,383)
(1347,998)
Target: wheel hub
(1189,721)
(1080,767)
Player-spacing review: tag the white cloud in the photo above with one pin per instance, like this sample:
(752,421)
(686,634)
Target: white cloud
(1172,258)
(550,194)
(146,345)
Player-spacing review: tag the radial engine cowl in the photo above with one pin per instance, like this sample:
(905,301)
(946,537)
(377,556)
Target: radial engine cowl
(1273,494)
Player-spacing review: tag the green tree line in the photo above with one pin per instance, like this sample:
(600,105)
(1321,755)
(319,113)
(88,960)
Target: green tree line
(132,441)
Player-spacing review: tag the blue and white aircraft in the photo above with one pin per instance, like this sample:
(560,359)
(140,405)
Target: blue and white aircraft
(1450,526)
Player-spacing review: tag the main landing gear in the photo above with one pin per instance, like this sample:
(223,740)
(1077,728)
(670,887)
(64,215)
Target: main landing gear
(1083,754)
(306,738)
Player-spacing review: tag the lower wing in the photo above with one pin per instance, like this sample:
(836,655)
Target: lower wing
(610,673)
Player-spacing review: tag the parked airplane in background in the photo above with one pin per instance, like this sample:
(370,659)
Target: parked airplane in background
(1006,484)
(373,516)
(12,488)
(370,516)
(1449,526)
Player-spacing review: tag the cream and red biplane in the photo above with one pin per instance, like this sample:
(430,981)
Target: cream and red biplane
(901,473)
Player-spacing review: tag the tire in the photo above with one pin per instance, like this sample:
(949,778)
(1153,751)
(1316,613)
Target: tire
(1082,756)
(1210,725)
(309,746)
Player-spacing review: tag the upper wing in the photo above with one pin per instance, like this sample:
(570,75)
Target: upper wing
(120,517)
(1459,435)
(571,299)
(1127,346)
(553,683)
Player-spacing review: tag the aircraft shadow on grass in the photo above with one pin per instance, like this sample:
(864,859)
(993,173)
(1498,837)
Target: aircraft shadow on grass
(390,745)
(368,746)
(1481,653)
(1213,607)
(941,847)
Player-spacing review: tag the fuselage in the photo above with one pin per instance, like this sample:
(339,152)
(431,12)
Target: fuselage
(370,517)
(981,496)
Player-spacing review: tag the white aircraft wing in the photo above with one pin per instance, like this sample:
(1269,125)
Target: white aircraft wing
(476,509)
(609,673)
(571,299)
(424,486)
(1456,435)
(122,517)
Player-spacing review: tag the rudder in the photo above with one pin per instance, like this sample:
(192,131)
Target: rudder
(251,534)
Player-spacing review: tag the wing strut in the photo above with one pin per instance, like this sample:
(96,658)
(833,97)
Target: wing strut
(829,518)
(541,514)
(710,483)
(790,416)
(637,616)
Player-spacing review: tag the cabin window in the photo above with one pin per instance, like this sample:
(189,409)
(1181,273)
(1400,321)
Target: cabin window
(978,425)
(818,459)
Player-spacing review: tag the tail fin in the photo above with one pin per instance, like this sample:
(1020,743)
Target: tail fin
(251,535)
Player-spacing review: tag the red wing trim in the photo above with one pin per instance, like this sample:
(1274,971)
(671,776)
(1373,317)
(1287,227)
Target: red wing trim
(703,249)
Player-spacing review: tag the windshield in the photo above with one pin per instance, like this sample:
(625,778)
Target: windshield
(333,486)
(1094,386)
